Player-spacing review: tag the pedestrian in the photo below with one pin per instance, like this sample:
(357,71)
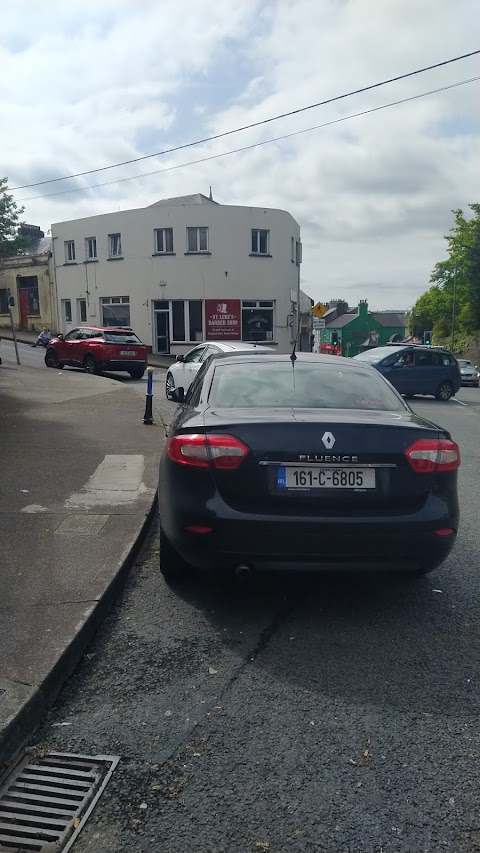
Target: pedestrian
(44,337)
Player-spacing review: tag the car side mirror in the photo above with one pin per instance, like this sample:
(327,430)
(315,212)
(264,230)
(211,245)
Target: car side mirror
(176,396)
(180,358)
(60,337)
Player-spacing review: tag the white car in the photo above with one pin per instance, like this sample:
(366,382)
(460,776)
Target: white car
(184,370)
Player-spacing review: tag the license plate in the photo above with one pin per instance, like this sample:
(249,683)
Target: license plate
(325,478)
(127,352)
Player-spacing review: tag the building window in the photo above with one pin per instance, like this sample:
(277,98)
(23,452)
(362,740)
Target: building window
(115,245)
(260,242)
(187,320)
(91,248)
(82,310)
(67,310)
(3,300)
(257,320)
(197,240)
(164,241)
(115,311)
(69,251)
(29,285)
(195,307)
(292,249)
(178,320)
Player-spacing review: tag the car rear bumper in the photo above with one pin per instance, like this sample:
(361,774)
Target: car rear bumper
(124,364)
(329,544)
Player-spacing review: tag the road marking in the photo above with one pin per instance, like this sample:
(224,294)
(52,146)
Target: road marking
(460,403)
(117,481)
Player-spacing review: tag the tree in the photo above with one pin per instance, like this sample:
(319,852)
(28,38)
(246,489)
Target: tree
(11,243)
(434,309)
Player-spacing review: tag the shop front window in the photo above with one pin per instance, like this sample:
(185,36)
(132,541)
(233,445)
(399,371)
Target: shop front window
(257,320)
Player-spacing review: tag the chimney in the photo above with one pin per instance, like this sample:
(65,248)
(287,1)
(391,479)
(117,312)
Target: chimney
(363,308)
(34,232)
(210,196)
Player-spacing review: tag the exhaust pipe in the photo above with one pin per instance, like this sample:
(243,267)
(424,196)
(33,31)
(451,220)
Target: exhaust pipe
(243,572)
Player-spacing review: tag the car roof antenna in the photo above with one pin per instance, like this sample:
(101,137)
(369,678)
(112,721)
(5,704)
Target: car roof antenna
(293,356)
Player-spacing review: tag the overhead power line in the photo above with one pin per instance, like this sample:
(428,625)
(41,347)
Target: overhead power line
(254,124)
(254,144)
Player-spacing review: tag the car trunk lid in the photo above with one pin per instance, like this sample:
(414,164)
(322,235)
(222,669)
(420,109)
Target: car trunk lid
(367,447)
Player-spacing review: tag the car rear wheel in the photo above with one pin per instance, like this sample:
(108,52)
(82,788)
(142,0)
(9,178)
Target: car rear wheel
(90,365)
(444,392)
(169,384)
(137,374)
(51,359)
(172,566)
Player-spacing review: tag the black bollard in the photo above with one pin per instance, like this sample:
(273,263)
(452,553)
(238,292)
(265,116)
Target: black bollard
(148,416)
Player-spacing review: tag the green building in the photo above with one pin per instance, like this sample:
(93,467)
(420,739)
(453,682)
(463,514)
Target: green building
(348,332)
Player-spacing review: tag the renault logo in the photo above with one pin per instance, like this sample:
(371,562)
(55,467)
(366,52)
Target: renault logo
(328,440)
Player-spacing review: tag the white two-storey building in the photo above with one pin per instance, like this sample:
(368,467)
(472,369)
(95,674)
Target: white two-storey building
(183,270)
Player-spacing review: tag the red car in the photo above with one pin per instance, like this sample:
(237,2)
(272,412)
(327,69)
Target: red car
(97,349)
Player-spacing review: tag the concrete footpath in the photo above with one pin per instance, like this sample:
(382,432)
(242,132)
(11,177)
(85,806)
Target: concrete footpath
(78,476)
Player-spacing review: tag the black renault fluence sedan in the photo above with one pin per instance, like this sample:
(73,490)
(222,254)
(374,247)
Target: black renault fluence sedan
(303,462)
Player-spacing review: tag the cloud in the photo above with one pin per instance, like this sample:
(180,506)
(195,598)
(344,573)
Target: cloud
(91,84)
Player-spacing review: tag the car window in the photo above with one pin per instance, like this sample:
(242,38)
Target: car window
(123,337)
(427,358)
(74,335)
(210,350)
(192,397)
(448,359)
(194,355)
(305,385)
(392,359)
(464,363)
(405,357)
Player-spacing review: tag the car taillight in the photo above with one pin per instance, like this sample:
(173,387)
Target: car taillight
(224,452)
(431,456)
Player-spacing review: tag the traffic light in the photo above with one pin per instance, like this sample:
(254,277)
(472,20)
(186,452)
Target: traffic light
(335,339)
(427,338)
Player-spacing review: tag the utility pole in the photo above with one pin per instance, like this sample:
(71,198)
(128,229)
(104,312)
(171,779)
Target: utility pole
(454,306)
(298,261)
(10,300)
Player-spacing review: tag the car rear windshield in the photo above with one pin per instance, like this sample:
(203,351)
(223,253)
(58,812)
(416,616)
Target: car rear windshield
(305,385)
(121,338)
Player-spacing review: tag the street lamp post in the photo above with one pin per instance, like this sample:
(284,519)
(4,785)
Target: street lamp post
(454,306)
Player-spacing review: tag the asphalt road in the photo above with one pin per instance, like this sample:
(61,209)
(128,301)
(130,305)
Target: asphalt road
(331,715)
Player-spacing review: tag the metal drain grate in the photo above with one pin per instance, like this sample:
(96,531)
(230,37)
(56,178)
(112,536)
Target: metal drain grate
(46,800)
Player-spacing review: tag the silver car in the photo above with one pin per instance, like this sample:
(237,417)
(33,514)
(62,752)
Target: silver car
(469,373)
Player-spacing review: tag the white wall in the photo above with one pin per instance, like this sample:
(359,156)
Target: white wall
(228,272)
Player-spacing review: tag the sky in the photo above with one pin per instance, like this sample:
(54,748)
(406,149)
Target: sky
(89,84)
